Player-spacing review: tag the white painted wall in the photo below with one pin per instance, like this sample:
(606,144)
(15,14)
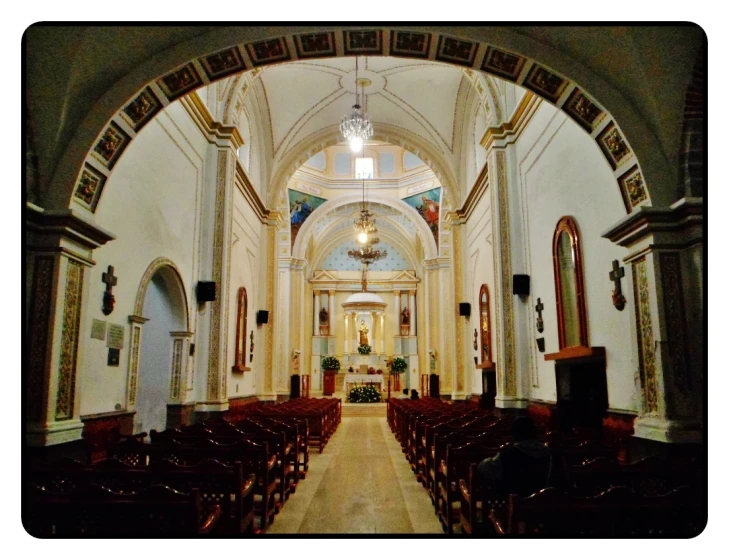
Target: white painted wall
(480,270)
(157,182)
(246,261)
(561,172)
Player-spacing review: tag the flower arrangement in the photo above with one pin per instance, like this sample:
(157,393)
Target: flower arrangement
(370,370)
(364,394)
(351,369)
(364,348)
(379,371)
(330,362)
(398,365)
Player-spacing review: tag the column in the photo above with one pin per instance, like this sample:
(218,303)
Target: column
(382,334)
(316,312)
(665,244)
(398,310)
(332,313)
(59,261)
(355,333)
(346,333)
(413,316)
(274,224)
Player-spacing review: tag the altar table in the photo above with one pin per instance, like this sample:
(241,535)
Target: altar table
(359,379)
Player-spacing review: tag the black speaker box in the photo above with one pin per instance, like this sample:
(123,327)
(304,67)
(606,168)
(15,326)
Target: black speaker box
(295,386)
(521,285)
(262,317)
(205,291)
(434,386)
(464,309)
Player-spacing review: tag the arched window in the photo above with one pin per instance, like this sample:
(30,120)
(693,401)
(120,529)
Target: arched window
(569,285)
(240,331)
(484,318)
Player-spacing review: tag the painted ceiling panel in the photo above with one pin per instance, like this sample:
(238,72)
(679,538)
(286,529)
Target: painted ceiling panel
(292,91)
(430,91)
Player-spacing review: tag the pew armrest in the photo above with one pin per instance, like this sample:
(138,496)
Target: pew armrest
(248,485)
(210,521)
(498,525)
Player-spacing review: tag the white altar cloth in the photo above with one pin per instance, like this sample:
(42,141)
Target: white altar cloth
(359,379)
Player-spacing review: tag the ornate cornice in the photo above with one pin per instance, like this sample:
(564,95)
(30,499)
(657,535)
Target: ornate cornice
(515,126)
(68,224)
(211,129)
(685,215)
(474,195)
(243,182)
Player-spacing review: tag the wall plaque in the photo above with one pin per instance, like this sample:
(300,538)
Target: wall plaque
(98,329)
(115,336)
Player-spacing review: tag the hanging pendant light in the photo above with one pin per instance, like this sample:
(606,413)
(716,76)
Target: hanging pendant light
(356,127)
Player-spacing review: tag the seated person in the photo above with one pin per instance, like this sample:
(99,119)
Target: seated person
(404,394)
(414,394)
(525,466)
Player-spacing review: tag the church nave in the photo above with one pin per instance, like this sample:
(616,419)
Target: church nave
(361,483)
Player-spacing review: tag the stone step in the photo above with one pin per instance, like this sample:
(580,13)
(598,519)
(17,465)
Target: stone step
(370,410)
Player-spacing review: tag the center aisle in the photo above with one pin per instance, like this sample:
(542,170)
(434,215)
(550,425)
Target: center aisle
(362,483)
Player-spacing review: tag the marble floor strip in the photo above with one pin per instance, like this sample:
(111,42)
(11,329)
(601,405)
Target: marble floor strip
(362,483)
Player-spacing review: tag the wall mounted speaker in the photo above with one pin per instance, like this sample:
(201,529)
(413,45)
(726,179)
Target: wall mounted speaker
(521,285)
(464,309)
(262,317)
(205,291)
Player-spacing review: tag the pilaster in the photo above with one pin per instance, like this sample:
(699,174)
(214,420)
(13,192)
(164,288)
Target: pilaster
(667,271)
(503,302)
(59,253)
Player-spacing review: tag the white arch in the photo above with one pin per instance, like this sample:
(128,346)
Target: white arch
(296,157)
(298,251)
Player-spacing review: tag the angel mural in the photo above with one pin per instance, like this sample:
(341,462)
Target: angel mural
(300,208)
(427,205)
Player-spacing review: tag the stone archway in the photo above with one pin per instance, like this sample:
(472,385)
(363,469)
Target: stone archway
(594,104)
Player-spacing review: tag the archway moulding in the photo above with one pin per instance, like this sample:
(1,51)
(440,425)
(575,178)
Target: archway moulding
(299,155)
(421,228)
(94,141)
(155,266)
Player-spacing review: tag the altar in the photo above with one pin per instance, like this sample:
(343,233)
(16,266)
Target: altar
(359,379)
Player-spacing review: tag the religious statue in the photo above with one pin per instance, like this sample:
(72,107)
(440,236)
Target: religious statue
(405,317)
(323,317)
(363,330)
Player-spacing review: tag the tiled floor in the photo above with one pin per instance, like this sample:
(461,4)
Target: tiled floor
(362,483)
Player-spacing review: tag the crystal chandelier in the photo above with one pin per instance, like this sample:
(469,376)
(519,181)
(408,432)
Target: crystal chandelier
(356,127)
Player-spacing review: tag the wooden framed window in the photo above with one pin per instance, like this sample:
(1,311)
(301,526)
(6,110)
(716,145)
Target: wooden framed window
(240,332)
(484,318)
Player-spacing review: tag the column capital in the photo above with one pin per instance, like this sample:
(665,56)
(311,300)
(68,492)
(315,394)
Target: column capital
(317,292)
(648,227)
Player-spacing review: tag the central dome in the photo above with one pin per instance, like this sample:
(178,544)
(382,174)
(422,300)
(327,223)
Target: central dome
(364,297)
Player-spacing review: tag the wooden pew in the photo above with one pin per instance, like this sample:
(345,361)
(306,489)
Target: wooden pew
(220,485)
(96,511)
(254,457)
(616,512)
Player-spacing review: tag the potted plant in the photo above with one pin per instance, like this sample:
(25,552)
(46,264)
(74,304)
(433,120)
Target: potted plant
(398,365)
(330,365)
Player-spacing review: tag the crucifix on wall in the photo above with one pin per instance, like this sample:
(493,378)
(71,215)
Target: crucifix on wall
(109,279)
(615,275)
(539,307)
